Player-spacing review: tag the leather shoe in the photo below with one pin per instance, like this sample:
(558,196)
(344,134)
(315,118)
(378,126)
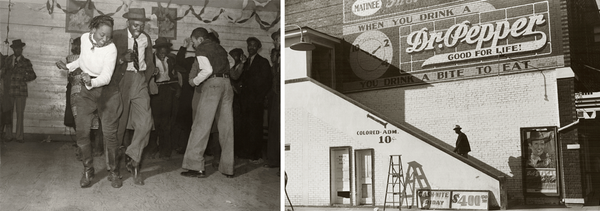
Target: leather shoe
(115,179)
(192,173)
(137,176)
(129,164)
(228,175)
(86,178)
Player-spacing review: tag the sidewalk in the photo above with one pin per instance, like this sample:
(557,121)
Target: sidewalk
(520,208)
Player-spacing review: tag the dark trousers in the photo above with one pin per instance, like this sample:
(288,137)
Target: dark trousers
(252,117)
(238,135)
(164,108)
(274,142)
(84,104)
(19,105)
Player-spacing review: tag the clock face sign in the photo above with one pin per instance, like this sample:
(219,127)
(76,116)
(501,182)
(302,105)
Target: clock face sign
(371,55)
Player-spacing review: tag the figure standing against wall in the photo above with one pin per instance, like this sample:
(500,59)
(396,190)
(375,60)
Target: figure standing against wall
(273,145)
(462,143)
(183,124)
(164,103)
(256,83)
(18,70)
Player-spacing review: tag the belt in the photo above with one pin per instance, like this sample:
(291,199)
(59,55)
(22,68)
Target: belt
(166,82)
(220,75)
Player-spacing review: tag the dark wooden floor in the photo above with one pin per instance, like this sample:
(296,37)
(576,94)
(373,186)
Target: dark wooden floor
(45,176)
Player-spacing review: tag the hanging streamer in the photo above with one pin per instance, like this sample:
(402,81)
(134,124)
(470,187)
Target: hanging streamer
(90,6)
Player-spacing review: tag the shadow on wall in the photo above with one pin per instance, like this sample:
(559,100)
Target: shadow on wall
(348,80)
(415,180)
(515,197)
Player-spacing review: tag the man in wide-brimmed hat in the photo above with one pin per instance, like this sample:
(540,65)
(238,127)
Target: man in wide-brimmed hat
(165,102)
(539,158)
(133,70)
(462,143)
(17,71)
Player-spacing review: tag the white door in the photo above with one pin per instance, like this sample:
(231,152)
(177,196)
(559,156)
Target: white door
(364,174)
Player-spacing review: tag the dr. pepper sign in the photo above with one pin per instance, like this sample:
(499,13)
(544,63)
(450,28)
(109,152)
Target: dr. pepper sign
(427,41)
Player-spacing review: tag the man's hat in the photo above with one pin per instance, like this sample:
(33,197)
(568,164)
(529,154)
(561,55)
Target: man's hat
(457,127)
(17,44)
(254,39)
(237,51)
(537,135)
(162,42)
(136,14)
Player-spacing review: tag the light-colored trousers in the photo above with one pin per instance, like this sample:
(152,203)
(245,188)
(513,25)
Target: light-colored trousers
(214,104)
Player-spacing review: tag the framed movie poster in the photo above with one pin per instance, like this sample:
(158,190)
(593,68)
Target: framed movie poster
(79,20)
(165,17)
(540,161)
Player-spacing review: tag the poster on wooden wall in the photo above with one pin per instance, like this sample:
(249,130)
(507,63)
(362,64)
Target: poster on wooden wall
(166,26)
(79,19)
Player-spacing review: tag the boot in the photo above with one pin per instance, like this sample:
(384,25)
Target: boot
(114,175)
(97,142)
(137,175)
(88,166)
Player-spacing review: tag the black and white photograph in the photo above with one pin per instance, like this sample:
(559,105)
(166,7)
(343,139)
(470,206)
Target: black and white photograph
(140,105)
(442,104)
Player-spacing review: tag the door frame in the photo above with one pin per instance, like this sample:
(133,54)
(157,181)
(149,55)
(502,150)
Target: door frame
(372,174)
(331,176)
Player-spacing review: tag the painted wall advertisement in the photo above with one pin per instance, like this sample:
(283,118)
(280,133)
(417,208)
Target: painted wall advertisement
(452,199)
(539,159)
(407,42)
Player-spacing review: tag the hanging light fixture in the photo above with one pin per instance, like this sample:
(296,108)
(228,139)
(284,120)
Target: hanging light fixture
(302,45)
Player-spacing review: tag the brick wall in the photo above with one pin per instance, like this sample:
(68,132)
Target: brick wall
(572,172)
(47,42)
(491,110)
(323,15)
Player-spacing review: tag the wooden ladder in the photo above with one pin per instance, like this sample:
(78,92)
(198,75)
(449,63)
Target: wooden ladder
(395,183)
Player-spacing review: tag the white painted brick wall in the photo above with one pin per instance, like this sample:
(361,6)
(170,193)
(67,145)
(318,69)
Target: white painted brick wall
(490,110)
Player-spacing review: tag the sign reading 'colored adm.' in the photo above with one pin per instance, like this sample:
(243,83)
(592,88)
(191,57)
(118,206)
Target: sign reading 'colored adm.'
(436,41)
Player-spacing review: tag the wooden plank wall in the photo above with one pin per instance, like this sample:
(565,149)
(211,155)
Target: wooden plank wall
(47,42)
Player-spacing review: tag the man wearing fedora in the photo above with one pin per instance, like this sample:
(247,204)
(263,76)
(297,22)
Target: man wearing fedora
(539,158)
(17,71)
(133,70)
(164,103)
(462,143)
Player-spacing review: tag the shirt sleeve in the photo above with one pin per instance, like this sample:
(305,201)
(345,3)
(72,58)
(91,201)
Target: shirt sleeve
(73,65)
(205,70)
(108,68)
